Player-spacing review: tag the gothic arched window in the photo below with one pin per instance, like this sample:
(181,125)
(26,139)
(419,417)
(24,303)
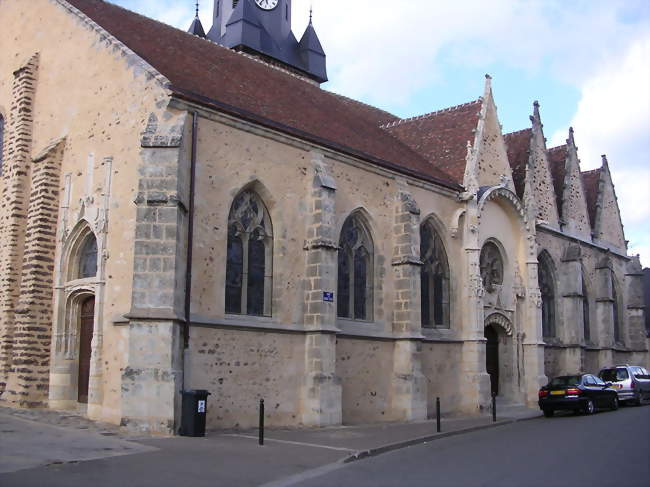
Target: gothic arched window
(2,140)
(88,258)
(491,264)
(249,258)
(434,279)
(616,312)
(585,311)
(547,290)
(355,276)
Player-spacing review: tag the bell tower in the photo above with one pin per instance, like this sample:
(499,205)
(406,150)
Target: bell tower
(263,28)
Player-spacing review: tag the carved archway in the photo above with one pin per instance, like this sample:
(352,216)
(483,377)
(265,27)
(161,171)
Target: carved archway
(500,320)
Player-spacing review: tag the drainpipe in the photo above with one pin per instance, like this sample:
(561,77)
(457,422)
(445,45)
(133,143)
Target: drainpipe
(190,245)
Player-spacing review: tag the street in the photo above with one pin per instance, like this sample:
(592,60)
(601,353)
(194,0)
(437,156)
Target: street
(607,449)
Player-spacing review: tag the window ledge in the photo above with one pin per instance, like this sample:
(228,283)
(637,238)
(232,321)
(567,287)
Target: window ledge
(249,322)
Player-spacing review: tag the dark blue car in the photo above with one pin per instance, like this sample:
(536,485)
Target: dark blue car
(580,392)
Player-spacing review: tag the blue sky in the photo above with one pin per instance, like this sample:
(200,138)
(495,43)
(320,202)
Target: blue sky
(586,61)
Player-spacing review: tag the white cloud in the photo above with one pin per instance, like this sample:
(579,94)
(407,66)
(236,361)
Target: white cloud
(613,117)
(370,42)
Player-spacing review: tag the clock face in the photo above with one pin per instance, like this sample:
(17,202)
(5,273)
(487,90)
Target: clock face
(267,4)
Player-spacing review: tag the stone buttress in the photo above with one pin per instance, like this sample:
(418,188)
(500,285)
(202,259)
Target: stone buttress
(408,384)
(321,390)
(153,371)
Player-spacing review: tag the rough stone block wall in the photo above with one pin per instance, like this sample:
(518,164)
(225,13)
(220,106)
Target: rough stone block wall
(443,375)
(28,381)
(362,366)
(14,203)
(241,367)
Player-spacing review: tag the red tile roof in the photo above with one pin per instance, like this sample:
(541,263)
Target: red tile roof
(556,161)
(441,136)
(206,73)
(518,146)
(590,183)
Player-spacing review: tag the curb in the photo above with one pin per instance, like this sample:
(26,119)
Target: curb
(373,452)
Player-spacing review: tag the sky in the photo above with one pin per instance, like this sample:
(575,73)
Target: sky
(587,62)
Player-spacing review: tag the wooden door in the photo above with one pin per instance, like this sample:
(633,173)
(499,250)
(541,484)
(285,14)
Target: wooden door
(492,358)
(86,325)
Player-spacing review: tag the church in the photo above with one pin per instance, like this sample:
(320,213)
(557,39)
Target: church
(191,210)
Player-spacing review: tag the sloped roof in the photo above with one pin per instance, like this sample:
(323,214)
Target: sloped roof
(441,136)
(518,148)
(556,161)
(590,183)
(206,73)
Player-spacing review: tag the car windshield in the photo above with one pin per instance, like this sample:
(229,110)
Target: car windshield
(613,375)
(567,380)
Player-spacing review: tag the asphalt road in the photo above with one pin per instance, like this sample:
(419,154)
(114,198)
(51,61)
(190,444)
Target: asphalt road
(607,449)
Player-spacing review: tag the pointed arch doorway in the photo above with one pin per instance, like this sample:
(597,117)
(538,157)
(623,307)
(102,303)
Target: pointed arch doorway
(501,362)
(492,358)
(86,325)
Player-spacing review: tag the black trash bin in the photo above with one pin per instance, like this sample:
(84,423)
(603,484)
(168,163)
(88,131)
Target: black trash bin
(195,406)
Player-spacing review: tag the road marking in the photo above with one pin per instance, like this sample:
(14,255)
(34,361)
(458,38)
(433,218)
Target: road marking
(299,443)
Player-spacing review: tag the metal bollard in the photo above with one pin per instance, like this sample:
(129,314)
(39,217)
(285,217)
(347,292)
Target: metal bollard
(438,414)
(261,430)
(494,407)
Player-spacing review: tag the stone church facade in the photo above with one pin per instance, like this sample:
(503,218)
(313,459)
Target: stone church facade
(188,211)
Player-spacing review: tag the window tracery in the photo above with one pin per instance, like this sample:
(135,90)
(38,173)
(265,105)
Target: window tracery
(491,264)
(355,277)
(434,279)
(249,256)
(547,290)
(616,312)
(585,311)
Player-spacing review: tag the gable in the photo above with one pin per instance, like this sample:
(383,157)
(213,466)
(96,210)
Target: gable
(492,165)
(607,227)
(567,180)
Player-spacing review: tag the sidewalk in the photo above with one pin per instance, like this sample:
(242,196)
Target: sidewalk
(76,453)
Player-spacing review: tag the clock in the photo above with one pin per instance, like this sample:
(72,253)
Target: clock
(267,4)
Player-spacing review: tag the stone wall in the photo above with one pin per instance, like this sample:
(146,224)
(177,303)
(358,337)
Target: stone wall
(241,367)
(363,367)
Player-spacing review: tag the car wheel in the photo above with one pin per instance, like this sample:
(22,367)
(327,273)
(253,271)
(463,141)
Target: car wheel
(548,413)
(589,407)
(614,403)
(637,400)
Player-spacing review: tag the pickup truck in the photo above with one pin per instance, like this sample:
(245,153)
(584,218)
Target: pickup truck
(631,382)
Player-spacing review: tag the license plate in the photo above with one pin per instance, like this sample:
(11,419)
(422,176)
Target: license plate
(617,386)
(557,393)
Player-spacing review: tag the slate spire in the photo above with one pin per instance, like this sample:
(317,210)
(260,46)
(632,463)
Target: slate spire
(197,28)
(311,51)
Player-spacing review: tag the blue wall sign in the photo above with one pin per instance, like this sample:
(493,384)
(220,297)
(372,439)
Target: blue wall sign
(328,297)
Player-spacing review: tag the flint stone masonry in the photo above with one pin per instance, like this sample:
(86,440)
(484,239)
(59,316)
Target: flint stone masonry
(28,382)
(16,187)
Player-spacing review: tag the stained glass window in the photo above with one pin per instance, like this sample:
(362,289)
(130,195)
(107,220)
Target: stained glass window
(585,311)
(88,258)
(434,279)
(355,271)
(249,255)
(616,312)
(547,290)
